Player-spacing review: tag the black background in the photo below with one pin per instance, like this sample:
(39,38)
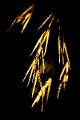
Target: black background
(15,49)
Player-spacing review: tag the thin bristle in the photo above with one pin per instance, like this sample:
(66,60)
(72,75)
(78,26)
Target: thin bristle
(43,61)
(25,24)
(48,34)
(26,11)
(30,76)
(65,79)
(59,47)
(38,42)
(65,68)
(59,89)
(35,82)
(49,88)
(51,22)
(46,20)
(42,92)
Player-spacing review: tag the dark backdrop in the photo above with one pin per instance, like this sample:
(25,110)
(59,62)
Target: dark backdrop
(15,49)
